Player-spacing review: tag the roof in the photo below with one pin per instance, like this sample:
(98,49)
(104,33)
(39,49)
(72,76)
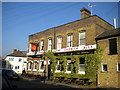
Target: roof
(109,33)
(71,23)
(18,53)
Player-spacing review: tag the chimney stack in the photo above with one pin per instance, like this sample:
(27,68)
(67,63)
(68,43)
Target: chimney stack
(85,13)
(14,50)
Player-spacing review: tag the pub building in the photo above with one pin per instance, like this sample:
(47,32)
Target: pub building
(76,38)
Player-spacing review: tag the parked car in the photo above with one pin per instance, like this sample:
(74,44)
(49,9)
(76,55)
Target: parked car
(10,74)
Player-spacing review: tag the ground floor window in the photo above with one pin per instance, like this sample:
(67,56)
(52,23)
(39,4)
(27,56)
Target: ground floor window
(35,66)
(68,65)
(104,67)
(82,66)
(41,65)
(29,65)
(10,67)
(57,65)
(118,67)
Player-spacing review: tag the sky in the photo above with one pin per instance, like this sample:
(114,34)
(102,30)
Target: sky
(21,19)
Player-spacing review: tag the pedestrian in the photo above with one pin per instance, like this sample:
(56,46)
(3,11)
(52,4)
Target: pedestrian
(23,72)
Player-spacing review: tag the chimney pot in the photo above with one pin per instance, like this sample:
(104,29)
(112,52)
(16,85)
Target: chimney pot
(14,50)
(85,13)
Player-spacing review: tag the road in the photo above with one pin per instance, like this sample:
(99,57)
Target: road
(27,83)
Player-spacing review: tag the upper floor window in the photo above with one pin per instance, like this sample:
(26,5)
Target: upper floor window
(11,59)
(49,43)
(59,42)
(19,60)
(82,37)
(69,40)
(42,45)
(113,46)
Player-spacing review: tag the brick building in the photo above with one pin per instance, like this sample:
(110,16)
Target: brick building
(74,38)
(109,69)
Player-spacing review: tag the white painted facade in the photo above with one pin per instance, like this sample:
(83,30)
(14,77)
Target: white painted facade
(16,64)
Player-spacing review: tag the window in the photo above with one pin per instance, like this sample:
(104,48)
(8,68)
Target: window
(19,60)
(11,59)
(104,67)
(30,65)
(15,67)
(10,67)
(35,65)
(82,37)
(18,67)
(58,65)
(113,46)
(41,65)
(118,67)
(29,47)
(69,40)
(59,42)
(42,45)
(49,43)
(69,65)
(82,66)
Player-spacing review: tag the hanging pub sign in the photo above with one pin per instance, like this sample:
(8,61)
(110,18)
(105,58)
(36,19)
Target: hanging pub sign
(34,46)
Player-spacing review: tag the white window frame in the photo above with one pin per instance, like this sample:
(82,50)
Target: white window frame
(35,65)
(49,43)
(41,61)
(68,63)
(30,46)
(41,45)
(81,72)
(59,42)
(103,67)
(29,63)
(118,67)
(58,64)
(82,38)
(69,40)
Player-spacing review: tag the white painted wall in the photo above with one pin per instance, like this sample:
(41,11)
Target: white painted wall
(17,65)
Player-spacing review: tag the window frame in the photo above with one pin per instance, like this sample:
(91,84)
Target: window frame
(42,45)
(59,42)
(35,66)
(68,63)
(50,43)
(118,66)
(40,64)
(69,40)
(103,67)
(83,38)
(58,65)
(111,46)
(29,65)
(81,64)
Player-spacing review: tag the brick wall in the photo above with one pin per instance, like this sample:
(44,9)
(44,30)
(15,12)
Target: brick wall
(111,77)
